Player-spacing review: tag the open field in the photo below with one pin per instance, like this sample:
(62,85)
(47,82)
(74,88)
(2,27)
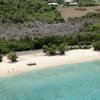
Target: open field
(67,12)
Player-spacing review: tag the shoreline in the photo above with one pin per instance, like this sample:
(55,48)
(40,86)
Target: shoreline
(43,61)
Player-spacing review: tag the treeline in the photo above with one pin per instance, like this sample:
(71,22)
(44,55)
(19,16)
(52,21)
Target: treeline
(28,43)
(19,11)
(87,2)
(92,15)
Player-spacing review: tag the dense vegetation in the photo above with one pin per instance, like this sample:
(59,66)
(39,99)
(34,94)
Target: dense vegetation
(55,49)
(38,42)
(96,45)
(87,2)
(27,10)
(12,56)
(92,15)
(87,35)
(90,27)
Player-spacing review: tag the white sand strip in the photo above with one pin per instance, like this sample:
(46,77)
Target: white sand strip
(73,56)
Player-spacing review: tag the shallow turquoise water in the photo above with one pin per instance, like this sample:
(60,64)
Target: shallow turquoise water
(69,82)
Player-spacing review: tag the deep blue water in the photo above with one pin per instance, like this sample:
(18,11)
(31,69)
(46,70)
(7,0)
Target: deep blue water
(69,82)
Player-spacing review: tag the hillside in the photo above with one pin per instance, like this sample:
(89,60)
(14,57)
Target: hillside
(31,24)
(15,11)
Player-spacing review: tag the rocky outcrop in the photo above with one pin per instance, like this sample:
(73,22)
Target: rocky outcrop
(39,28)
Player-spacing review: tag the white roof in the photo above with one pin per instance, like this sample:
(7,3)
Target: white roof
(69,1)
(53,4)
(73,3)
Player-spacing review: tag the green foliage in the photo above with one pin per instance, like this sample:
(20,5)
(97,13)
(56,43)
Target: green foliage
(96,45)
(87,3)
(0,58)
(19,11)
(92,15)
(27,43)
(90,27)
(45,48)
(62,49)
(52,50)
(12,56)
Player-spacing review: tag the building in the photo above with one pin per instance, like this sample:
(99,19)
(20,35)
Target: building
(70,1)
(54,4)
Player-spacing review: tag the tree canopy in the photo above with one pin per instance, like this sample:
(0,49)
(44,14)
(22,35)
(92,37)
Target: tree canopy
(27,10)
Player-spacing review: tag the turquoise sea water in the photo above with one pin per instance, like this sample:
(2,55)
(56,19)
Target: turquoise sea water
(69,82)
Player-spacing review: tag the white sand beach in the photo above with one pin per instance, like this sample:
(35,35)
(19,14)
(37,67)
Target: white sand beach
(43,61)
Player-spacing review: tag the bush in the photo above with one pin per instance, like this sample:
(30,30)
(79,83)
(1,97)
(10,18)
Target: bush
(52,49)
(92,15)
(0,58)
(12,56)
(96,45)
(4,49)
(45,48)
(62,49)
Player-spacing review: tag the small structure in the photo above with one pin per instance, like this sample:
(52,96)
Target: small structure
(73,3)
(54,4)
(31,63)
(69,1)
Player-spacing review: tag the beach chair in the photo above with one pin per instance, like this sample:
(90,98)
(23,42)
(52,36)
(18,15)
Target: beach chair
(31,63)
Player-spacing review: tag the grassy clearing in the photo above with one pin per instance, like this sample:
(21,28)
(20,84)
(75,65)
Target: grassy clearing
(67,12)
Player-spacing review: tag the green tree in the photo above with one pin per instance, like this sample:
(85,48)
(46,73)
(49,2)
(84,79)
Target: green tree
(12,56)
(52,49)
(45,48)
(96,45)
(19,11)
(62,49)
